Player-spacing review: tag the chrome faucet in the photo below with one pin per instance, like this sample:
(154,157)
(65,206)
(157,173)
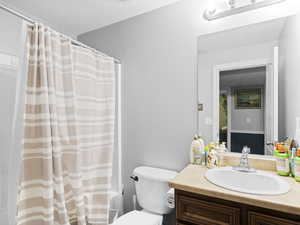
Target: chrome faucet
(244,165)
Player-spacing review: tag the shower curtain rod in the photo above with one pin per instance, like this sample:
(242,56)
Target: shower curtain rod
(30,20)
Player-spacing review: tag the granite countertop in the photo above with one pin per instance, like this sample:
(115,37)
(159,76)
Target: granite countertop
(191,179)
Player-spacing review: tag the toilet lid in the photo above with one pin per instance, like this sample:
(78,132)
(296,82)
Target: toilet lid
(138,218)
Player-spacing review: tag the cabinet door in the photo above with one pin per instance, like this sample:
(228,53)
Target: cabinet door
(255,218)
(201,212)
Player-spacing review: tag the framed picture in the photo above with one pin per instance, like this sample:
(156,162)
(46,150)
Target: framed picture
(248,98)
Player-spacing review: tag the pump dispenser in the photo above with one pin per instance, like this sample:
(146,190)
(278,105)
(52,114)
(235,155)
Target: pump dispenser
(195,150)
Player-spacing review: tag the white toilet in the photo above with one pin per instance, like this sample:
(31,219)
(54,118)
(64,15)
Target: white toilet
(151,186)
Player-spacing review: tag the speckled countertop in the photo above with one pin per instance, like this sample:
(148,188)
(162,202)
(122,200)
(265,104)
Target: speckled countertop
(191,179)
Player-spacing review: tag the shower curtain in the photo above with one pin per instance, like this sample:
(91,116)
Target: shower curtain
(69,133)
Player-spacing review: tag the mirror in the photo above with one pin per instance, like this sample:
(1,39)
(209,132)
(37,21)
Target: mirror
(245,78)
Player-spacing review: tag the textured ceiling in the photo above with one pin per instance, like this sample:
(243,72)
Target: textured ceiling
(79,16)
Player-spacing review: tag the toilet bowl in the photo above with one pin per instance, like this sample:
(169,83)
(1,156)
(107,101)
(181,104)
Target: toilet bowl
(151,186)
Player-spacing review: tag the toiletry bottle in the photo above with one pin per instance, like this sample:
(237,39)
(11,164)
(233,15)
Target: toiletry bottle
(221,151)
(292,161)
(201,150)
(212,155)
(222,147)
(297,166)
(201,140)
(212,158)
(206,150)
(195,151)
(282,160)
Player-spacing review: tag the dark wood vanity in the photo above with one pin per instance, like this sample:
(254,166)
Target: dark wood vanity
(196,209)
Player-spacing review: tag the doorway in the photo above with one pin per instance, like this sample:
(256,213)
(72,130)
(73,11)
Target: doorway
(241,108)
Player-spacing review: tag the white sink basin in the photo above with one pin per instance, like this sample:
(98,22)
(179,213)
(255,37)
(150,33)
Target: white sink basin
(258,183)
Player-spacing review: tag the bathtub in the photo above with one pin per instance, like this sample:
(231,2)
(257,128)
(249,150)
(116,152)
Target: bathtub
(116,206)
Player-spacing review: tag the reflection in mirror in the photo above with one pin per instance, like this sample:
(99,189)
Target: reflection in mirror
(241,109)
(242,83)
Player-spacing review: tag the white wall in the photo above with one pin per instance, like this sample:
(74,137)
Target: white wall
(289,78)
(10,33)
(159,59)
(205,71)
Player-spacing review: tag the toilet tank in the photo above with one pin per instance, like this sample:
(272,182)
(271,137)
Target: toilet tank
(152,187)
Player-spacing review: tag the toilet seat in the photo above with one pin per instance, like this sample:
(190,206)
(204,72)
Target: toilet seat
(139,218)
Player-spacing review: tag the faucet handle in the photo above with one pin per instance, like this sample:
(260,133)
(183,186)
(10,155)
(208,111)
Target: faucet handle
(246,150)
(244,162)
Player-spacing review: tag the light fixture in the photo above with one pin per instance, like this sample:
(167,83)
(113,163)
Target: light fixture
(211,9)
(210,14)
(231,4)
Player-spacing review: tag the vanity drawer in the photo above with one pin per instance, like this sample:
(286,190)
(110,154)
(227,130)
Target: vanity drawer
(255,218)
(201,212)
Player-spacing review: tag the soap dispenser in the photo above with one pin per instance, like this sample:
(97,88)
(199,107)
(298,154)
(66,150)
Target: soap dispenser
(195,151)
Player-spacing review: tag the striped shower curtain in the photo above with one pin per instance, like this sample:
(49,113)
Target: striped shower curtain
(69,133)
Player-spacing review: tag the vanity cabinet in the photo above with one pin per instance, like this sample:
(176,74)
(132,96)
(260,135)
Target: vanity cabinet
(203,212)
(255,218)
(194,209)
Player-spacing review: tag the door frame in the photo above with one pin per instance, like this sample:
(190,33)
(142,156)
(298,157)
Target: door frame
(228,96)
(229,103)
(216,86)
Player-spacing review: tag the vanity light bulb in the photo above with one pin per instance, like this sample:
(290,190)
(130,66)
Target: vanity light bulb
(231,4)
(211,8)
